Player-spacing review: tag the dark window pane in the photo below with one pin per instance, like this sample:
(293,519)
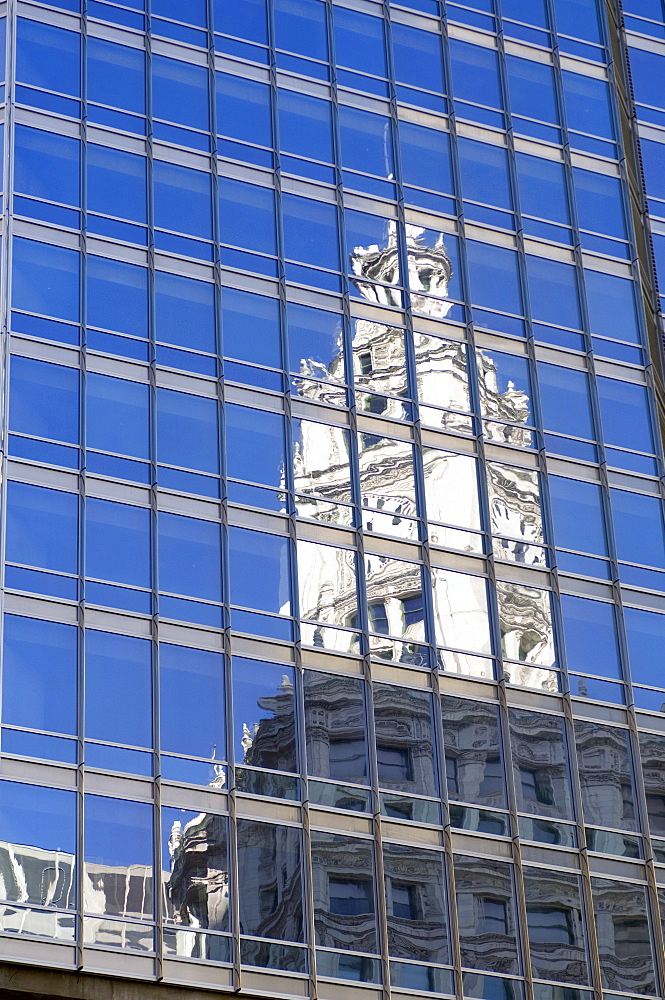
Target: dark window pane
(540,764)
(624,940)
(603,755)
(343,877)
(335,727)
(486,914)
(471,739)
(405,739)
(269,866)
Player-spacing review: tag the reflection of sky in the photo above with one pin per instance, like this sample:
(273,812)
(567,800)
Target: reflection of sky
(253,679)
(117,832)
(38,817)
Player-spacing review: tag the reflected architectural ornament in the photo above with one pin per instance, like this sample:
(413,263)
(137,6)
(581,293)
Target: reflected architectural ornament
(271,741)
(507,415)
(472,745)
(404,739)
(335,727)
(622,930)
(605,775)
(415,904)
(555,924)
(540,764)
(515,513)
(343,885)
(527,635)
(43,883)
(196,892)
(486,915)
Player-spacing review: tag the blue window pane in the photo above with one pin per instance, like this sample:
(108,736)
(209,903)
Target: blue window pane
(180,92)
(475,74)
(194,13)
(588,105)
(579,18)
(495,280)
(645,632)
(554,292)
(300,26)
(243,20)
(310,232)
(182,200)
(243,109)
(564,397)
(652,162)
(305,125)
(39,677)
(118,833)
(360,42)
(542,188)
(417,56)
(44,400)
(264,694)
(48,57)
(192,702)
(254,445)
(485,176)
(638,528)
(46,165)
(42,527)
(247,216)
(578,515)
(600,203)
(425,157)
(528,11)
(117,416)
(190,557)
(45,279)
(315,341)
(117,183)
(260,571)
(648,76)
(625,414)
(611,302)
(532,90)
(117,296)
(116,75)
(185,312)
(591,636)
(118,689)
(242,311)
(117,542)
(44,818)
(187,431)
(366,141)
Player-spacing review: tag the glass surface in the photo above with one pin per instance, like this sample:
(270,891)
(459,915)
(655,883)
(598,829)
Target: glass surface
(622,930)
(404,732)
(387,485)
(525,620)
(327,584)
(515,512)
(461,615)
(591,636)
(344,893)
(335,730)
(192,702)
(652,756)
(540,764)
(555,925)
(195,869)
(415,903)
(118,866)
(472,745)
(39,680)
(604,761)
(269,871)
(42,527)
(486,914)
(263,709)
(118,689)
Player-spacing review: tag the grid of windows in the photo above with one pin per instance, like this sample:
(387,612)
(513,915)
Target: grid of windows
(334,541)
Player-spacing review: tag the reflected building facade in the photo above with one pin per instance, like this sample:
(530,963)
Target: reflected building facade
(333,534)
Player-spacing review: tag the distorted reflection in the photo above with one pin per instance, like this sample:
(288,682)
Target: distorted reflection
(525,620)
(624,942)
(379,369)
(195,877)
(343,884)
(404,739)
(505,397)
(415,904)
(460,611)
(374,268)
(652,754)
(327,593)
(316,353)
(540,764)
(555,924)
(335,726)
(603,755)
(430,270)
(269,872)
(451,496)
(442,380)
(118,858)
(394,603)
(472,744)
(515,513)
(486,914)
(387,486)
(263,709)
(321,471)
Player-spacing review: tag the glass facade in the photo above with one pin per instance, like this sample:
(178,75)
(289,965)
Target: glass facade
(333,527)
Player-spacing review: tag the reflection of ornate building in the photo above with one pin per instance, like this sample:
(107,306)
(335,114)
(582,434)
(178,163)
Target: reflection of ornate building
(197,891)
(542,782)
(387,478)
(335,727)
(473,752)
(622,928)
(486,915)
(556,930)
(270,743)
(605,775)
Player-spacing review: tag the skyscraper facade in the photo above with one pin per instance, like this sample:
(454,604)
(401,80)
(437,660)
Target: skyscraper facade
(334,551)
